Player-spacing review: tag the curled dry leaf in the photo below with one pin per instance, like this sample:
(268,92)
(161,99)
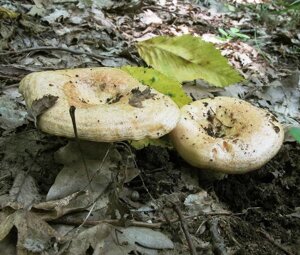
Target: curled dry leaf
(139,96)
(41,105)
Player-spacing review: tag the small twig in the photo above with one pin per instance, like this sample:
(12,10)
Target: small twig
(5,176)
(271,240)
(185,230)
(78,229)
(135,164)
(15,85)
(87,217)
(112,222)
(200,226)
(145,187)
(48,48)
(263,54)
(72,114)
(101,164)
(155,225)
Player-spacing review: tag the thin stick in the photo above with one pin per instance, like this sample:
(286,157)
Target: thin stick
(133,222)
(185,230)
(49,48)
(10,86)
(113,222)
(140,175)
(271,240)
(72,114)
(87,217)
(5,176)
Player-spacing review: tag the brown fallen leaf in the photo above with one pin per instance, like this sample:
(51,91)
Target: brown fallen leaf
(34,234)
(139,96)
(41,105)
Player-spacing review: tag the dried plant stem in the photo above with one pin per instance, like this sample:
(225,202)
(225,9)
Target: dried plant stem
(112,222)
(72,114)
(185,230)
(271,240)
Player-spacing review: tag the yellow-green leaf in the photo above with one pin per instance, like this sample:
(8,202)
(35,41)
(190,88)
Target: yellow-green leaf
(160,82)
(8,14)
(187,58)
(162,142)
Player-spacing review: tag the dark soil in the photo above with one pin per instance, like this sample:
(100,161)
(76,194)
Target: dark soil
(265,198)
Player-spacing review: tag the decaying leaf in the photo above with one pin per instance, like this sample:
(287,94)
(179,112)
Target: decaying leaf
(54,16)
(34,234)
(8,14)
(41,105)
(76,177)
(92,237)
(81,193)
(70,153)
(32,26)
(23,193)
(139,96)
(149,17)
(160,82)
(202,202)
(144,237)
(283,98)
(108,240)
(51,210)
(11,114)
(186,58)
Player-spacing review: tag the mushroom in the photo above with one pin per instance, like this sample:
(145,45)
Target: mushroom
(226,135)
(110,105)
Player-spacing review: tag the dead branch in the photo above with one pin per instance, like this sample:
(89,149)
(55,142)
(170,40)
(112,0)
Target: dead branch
(271,240)
(185,230)
(118,223)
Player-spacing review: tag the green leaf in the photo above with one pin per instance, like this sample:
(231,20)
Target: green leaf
(223,32)
(234,30)
(8,14)
(186,58)
(295,5)
(242,36)
(160,82)
(295,133)
(162,142)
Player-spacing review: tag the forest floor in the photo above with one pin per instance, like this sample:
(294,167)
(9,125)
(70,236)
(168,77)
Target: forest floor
(146,201)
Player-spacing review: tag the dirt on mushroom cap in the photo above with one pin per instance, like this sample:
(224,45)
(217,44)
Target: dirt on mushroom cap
(103,100)
(227,135)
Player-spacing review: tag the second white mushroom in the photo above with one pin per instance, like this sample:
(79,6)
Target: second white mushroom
(226,135)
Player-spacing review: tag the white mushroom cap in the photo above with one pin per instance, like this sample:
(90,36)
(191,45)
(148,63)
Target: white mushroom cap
(226,135)
(110,105)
